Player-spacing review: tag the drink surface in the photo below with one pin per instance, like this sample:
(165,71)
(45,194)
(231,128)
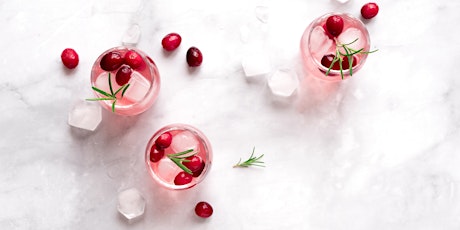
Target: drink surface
(184,138)
(143,89)
(316,43)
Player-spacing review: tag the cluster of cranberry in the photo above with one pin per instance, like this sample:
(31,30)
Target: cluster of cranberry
(334,27)
(194,162)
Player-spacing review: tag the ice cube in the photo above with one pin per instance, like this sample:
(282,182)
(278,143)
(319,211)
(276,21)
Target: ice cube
(102,82)
(131,36)
(138,87)
(167,168)
(319,42)
(183,141)
(131,204)
(85,115)
(262,13)
(255,64)
(283,82)
(350,35)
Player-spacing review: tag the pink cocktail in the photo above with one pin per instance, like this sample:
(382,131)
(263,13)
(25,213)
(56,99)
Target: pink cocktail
(318,45)
(125,80)
(178,156)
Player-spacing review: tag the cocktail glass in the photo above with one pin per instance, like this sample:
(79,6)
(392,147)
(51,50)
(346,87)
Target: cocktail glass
(184,138)
(316,43)
(144,83)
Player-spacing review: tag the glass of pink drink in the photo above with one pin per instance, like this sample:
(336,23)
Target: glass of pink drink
(126,66)
(175,149)
(316,43)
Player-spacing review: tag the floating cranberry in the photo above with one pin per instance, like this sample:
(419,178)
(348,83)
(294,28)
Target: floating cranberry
(123,75)
(156,154)
(334,25)
(69,58)
(203,209)
(111,61)
(195,164)
(171,41)
(198,172)
(326,61)
(369,10)
(164,140)
(194,57)
(134,60)
(182,178)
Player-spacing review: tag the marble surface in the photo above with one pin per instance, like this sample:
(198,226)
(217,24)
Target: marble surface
(378,151)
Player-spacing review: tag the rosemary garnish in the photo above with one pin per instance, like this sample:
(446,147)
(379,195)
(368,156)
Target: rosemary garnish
(349,52)
(179,158)
(252,161)
(109,96)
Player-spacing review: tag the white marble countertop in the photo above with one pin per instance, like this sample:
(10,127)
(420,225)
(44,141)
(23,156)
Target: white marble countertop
(378,151)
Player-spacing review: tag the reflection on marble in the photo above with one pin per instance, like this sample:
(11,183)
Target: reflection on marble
(378,151)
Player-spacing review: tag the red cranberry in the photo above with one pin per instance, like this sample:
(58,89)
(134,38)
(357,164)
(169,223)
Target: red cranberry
(327,60)
(182,178)
(369,10)
(111,61)
(203,209)
(123,75)
(69,58)
(156,154)
(194,57)
(195,164)
(171,41)
(334,25)
(164,140)
(198,172)
(133,59)
(346,63)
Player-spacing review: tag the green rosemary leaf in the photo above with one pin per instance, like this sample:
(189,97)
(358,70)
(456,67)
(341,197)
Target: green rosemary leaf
(252,161)
(124,90)
(101,92)
(100,99)
(110,85)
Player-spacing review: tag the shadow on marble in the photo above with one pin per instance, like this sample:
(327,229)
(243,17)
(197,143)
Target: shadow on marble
(313,93)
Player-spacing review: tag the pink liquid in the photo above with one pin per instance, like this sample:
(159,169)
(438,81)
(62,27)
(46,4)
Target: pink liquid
(142,92)
(315,44)
(164,171)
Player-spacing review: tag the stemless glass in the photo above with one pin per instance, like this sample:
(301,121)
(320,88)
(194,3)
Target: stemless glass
(184,137)
(316,43)
(144,81)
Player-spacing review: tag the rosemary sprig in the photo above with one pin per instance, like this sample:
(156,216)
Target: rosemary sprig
(179,158)
(252,161)
(112,96)
(349,52)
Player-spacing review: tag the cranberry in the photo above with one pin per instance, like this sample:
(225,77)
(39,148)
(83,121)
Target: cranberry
(156,154)
(194,57)
(334,25)
(327,60)
(164,140)
(133,59)
(171,41)
(69,58)
(123,75)
(369,10)
(195,164)
(182,178)
(111,61)
(203,209)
